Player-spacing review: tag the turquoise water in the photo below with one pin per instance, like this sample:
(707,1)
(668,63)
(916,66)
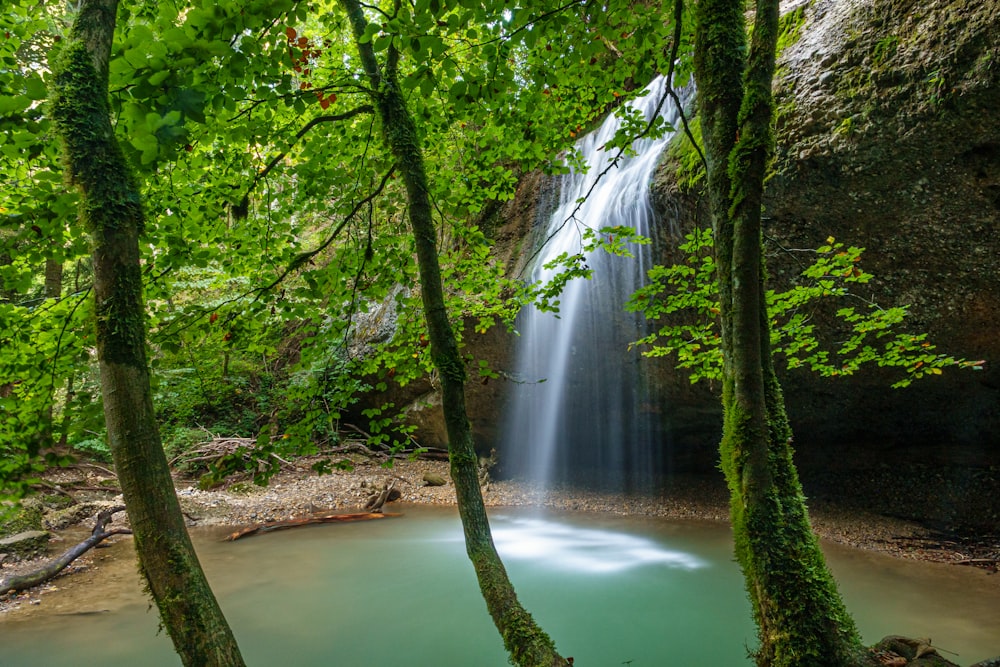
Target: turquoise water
(610,590)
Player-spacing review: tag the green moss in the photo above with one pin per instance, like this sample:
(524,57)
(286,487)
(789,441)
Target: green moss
(25,516)
(110,206)
(690,168)
(94,159)
(884,49)
(451,366)
(790,28)
(527,644)
(846,127)
(241,488)
(794,598)
(120,319)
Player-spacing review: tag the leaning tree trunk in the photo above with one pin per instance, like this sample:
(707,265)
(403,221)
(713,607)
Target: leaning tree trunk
(800,616)
(527,643)
(111,210)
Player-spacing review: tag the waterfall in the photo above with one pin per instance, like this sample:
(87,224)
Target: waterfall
(583,411)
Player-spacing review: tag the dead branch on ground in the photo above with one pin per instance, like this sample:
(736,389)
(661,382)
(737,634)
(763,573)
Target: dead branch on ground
(388,493)
(51,569)
(305,521)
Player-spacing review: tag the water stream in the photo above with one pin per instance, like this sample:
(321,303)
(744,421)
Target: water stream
(583,412)
(609,589)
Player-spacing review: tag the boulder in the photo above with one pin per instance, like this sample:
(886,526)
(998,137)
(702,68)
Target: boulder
(433,479)
(990,662)
(25,545)
(896,649)
(24,516)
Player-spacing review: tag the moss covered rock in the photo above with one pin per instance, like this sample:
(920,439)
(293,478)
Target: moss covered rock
(26,516)
(26,545)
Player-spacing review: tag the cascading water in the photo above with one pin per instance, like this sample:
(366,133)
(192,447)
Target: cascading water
(583,411)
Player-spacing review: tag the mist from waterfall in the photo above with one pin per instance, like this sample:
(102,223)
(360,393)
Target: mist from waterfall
(584,411)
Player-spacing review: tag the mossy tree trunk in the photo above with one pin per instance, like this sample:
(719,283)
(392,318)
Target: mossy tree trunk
(527,643)
(800,616)
(112,212)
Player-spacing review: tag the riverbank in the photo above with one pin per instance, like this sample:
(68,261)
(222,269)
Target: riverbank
(297,491)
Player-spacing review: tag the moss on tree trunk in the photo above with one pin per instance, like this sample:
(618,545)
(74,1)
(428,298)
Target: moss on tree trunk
(799,613)
(110,208)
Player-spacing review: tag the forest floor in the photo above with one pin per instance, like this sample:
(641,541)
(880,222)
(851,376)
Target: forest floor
(297,492)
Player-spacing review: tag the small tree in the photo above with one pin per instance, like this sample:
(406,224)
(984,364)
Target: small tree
(527,643)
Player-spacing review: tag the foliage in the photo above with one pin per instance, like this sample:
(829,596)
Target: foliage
(278,273)
(95,448)
(690,168)
(302,232)
(685,297)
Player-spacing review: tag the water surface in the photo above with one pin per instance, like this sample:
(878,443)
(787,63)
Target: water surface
(610,590)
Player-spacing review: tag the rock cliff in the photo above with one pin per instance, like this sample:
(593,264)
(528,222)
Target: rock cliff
(888,139)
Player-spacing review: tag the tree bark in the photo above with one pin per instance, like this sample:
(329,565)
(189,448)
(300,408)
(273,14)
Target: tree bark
(800,616)
(110,207)
(53,278)
(527,643)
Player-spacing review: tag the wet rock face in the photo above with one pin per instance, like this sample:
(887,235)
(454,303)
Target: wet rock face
(888,139)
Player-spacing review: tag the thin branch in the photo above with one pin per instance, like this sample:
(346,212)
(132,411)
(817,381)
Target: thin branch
(299,260)
(378,9)
(62,331)
(528,24)
(95,467)
(54,567)
(674,49)
(364,108)
(306,256)
(353,304)
(668,91)
(613,163)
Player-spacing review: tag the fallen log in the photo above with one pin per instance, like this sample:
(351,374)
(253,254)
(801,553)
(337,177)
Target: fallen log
(41,575)
(305,521)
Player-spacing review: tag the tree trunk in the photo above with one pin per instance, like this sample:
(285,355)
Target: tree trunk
(799,613)
(111,210)
(527,643)
(53,278)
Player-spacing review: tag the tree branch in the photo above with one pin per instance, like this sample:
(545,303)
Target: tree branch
(364,108)
(611,165)
(306,256)
(674,48)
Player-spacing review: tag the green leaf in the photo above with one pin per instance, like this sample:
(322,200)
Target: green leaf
(36,88)
(156,78)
